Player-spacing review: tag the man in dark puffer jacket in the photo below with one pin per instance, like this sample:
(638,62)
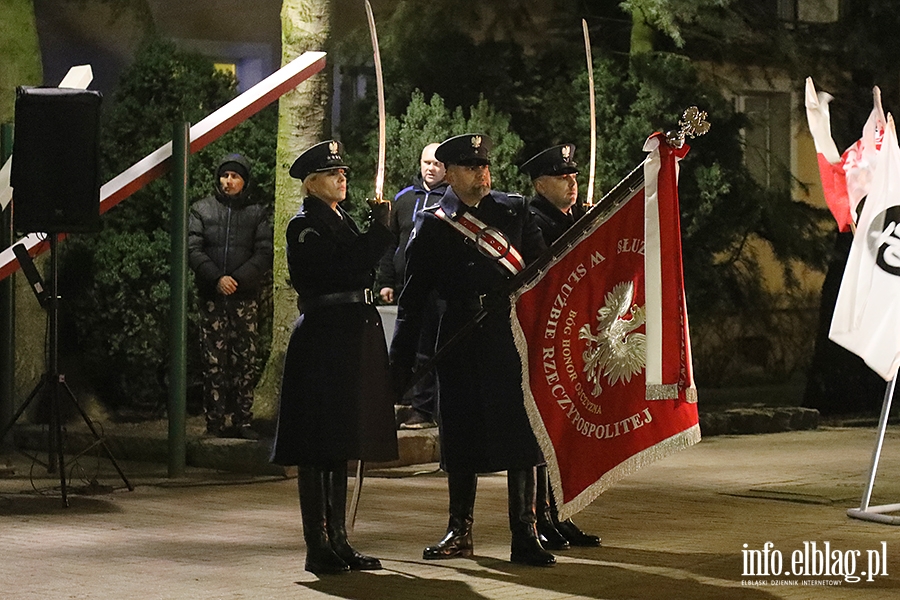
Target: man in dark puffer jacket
(230,252)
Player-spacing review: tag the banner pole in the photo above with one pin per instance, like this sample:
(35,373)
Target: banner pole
(875,513)
(876,454)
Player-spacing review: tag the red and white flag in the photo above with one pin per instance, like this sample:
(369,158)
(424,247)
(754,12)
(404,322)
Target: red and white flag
(866,317)
(603,338)
(845,178)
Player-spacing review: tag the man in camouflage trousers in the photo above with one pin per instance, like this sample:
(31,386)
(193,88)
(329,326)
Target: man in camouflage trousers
(230,251)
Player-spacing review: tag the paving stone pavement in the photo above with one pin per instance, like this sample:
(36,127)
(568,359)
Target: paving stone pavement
(675,529)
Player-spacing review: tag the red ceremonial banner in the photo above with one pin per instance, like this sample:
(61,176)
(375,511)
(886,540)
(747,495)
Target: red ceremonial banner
(585,329)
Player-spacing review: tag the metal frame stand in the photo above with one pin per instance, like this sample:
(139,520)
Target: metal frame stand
(59,387)
(877,513)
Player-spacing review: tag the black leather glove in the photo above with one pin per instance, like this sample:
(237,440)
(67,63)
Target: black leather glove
(380,212)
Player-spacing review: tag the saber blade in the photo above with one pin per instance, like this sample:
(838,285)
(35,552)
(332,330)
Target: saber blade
(590,69)
(379,81)
(353,508)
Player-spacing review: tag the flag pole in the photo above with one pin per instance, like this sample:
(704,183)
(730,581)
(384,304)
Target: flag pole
(876,513)
(692,124)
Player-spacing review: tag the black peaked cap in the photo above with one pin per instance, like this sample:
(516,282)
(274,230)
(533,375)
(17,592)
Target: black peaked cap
(324,156)
(558,160)
(467,149)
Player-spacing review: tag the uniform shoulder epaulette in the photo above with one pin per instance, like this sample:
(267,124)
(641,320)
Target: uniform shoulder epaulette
(512,197)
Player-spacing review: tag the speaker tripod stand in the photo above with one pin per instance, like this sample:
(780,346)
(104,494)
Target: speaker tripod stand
(53,382)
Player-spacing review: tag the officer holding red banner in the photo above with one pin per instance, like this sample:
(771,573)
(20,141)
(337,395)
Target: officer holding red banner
(467,248)
(553,173)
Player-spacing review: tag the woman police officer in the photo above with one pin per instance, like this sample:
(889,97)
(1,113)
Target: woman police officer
(336,400)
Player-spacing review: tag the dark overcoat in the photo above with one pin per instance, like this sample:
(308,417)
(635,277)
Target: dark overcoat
(336,400)
(481,410)
(550,220)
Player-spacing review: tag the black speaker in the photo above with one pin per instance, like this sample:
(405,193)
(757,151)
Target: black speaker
(55,174)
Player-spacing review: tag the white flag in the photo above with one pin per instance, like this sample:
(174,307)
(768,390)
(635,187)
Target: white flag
(845,178)
(866,317)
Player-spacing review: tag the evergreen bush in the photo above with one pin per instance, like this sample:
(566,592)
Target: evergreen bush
(427,121)
(116,283)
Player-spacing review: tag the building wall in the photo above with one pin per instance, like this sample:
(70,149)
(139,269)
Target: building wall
(107,34)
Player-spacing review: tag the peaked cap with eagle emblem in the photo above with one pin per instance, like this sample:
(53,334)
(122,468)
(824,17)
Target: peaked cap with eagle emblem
(466,150)
(558,160)
(324,156)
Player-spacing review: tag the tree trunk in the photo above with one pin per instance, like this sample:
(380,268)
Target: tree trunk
(20,65)
(304,26)
(641,33)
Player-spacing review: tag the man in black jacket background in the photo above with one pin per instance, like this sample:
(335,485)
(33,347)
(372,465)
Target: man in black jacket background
(230,252)
(426,191)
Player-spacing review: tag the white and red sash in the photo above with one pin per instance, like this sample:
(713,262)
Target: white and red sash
(489,240)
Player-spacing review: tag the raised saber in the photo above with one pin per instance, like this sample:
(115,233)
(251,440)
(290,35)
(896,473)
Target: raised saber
(589,201)
(379,84)
(354,496)
(353,507)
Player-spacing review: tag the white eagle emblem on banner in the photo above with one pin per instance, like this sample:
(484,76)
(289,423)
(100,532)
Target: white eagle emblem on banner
(616,351)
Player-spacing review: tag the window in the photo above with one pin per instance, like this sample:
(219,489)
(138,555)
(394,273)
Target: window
(818,11)
(787,10)
(229,68)
(767,137)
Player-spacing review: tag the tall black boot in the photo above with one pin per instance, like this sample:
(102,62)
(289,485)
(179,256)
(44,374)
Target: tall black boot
(551,538)
(458,541)
(320,557)
(336,498)
(526,547)
(570,531)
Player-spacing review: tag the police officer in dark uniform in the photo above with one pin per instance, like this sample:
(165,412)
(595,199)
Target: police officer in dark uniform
(553,173)
(482,419)
(555,207)
(336,401)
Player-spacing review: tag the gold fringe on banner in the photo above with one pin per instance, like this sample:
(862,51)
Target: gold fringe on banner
(677,442)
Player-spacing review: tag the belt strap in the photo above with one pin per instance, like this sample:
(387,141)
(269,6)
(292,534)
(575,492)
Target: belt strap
(355,297)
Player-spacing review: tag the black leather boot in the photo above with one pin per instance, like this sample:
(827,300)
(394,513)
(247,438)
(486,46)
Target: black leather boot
(320,557)
(576,536)
(526,547)
(570,530)
(336,497)
(458,541)
(551,538)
